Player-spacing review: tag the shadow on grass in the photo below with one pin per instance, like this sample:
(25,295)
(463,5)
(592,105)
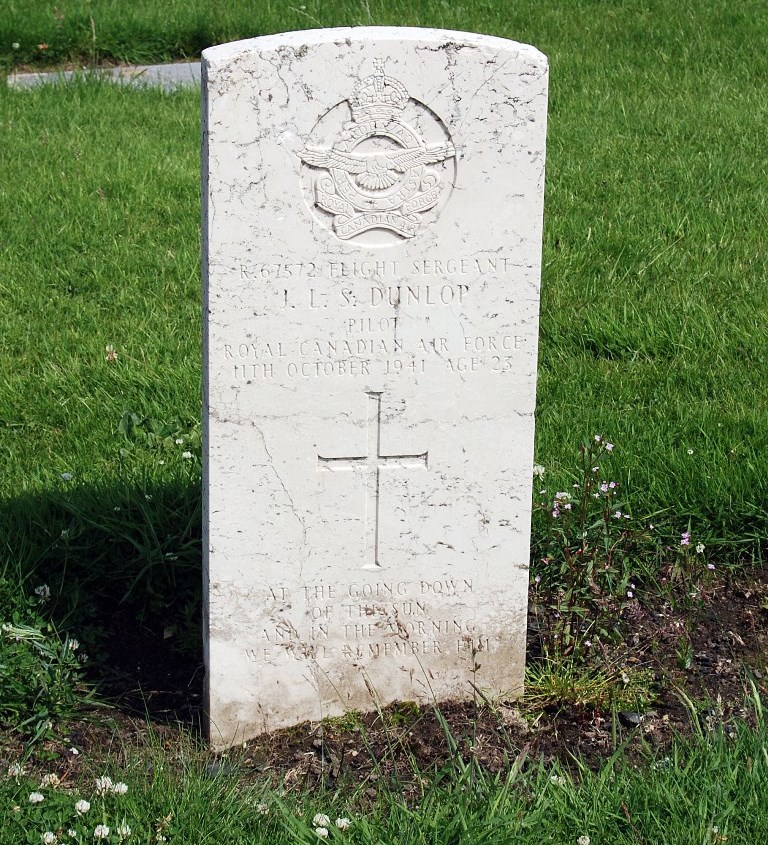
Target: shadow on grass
(124,568)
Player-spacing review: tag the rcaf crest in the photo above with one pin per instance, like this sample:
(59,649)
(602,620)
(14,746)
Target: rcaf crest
(384,168)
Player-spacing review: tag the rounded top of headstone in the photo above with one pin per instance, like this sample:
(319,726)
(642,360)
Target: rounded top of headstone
(299,40)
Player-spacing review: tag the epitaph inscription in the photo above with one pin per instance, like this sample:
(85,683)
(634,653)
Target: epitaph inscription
(372,248)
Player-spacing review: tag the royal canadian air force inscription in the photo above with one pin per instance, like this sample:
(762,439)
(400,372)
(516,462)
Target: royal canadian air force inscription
(381,176)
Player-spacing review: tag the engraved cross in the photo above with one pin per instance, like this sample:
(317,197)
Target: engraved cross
(372,464)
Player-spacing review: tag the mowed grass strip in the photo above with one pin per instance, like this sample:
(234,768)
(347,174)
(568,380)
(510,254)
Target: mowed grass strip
(709,789)
(654,301)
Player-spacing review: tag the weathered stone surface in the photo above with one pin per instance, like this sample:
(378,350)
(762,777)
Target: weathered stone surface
(372,234)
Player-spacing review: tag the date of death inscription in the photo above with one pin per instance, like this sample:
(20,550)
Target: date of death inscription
(386,354)
(363,621)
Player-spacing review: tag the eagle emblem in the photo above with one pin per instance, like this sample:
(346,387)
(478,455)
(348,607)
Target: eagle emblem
(378,173)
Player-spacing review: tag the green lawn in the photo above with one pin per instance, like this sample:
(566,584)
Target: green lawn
(654,298)
(653,334)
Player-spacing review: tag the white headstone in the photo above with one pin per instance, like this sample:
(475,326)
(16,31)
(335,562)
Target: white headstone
(372,235)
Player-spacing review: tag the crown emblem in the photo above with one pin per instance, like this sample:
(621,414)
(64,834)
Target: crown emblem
(378,96)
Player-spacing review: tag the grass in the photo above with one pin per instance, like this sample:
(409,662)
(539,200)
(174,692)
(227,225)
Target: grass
(654,301)
(709,789)
(83,31)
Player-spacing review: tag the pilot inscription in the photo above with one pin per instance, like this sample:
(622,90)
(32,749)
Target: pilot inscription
(377,174)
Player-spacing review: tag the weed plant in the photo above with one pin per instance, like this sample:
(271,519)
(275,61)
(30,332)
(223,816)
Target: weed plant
(584,558)
(594,565)
(41,673)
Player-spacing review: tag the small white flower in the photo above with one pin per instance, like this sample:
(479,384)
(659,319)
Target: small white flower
(119,788)
(598,438)
(123,831)
(36,797)
(538,470)
(689,451)
(179,441)
(187,456)
(44,591)
(700,548)
(15,45)
(15,770)
(558,780)
(82,806)
(582,840)
(111,354)
(49,780)
(101,831)
(322,832)
(72,833)
(74,645)
(103,785)
(49,837)
(343,824)
(321,820)
(609,447)
(262,808)
(67,476)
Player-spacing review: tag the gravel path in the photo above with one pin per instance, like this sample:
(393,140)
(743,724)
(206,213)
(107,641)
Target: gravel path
(166,76)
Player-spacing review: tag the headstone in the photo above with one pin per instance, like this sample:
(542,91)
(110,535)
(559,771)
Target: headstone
(372,247)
